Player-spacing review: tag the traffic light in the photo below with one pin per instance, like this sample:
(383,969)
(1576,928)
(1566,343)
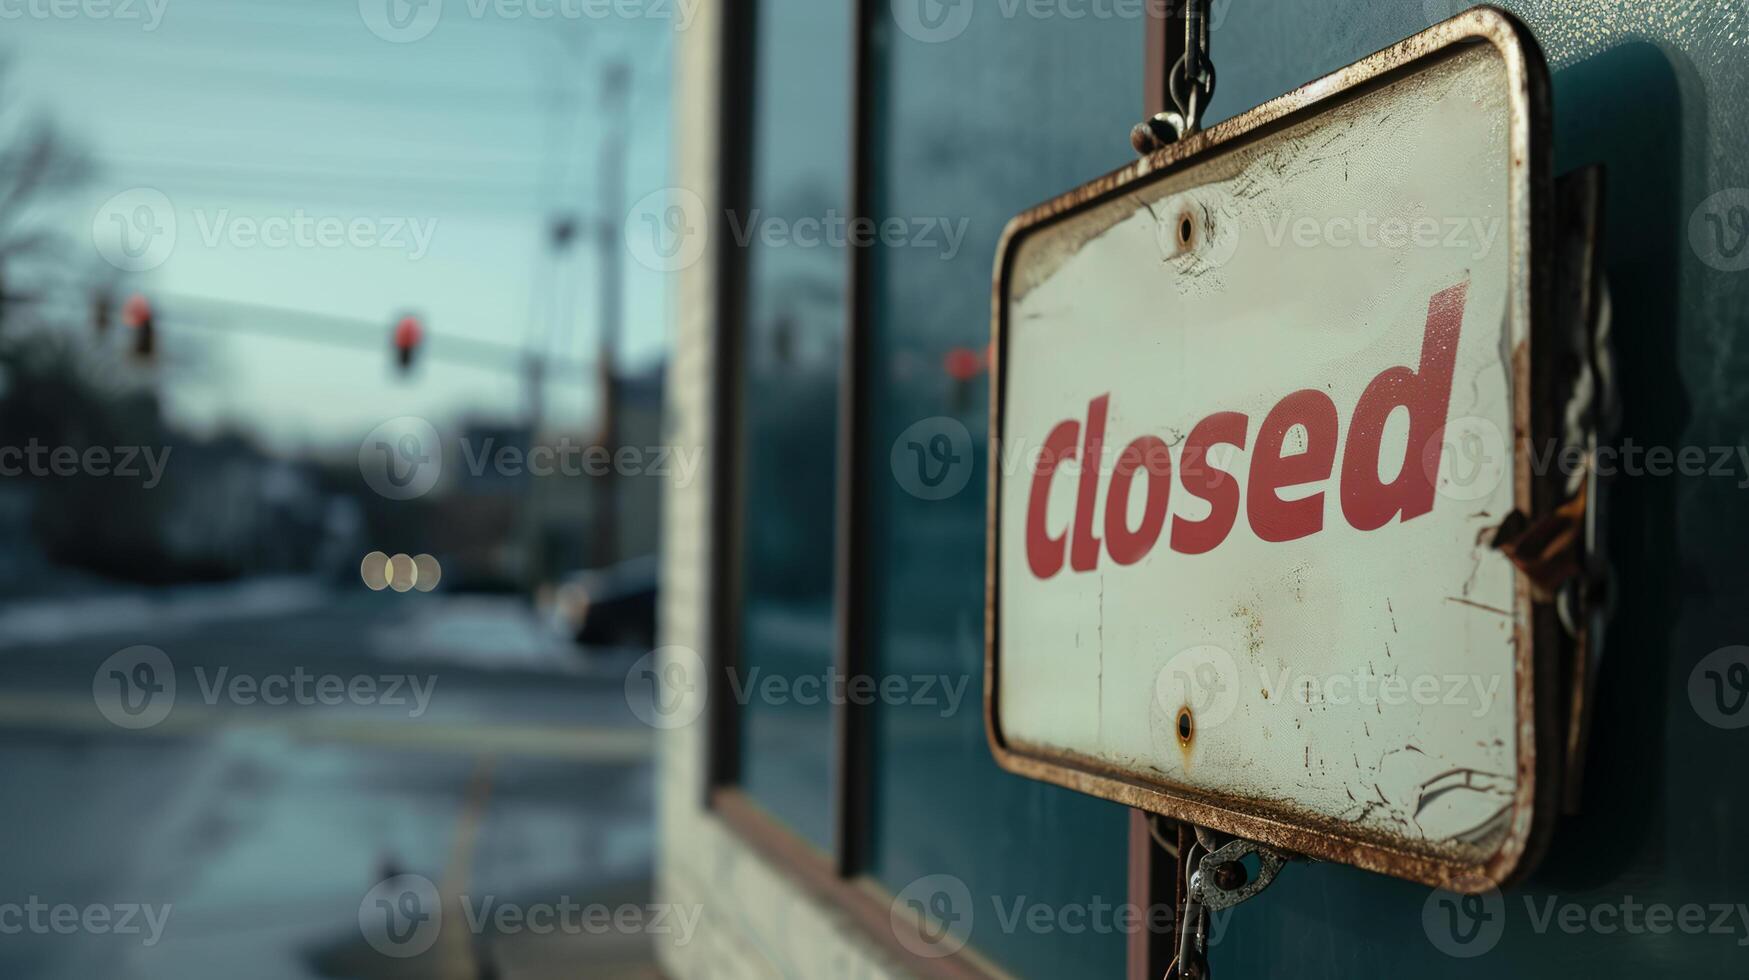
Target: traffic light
(962,365)
(137,314)
(102,306)
(407,335)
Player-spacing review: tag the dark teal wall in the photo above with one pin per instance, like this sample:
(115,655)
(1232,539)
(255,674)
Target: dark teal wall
(972,129)
(1656,92)
(1018,109)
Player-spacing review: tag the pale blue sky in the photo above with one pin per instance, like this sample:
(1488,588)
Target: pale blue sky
(242,111)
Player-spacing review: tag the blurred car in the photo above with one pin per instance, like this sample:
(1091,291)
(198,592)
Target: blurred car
(613,606)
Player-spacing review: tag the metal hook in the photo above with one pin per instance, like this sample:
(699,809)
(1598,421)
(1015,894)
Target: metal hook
(1193,71)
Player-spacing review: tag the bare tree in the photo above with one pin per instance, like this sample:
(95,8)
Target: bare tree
(38,164)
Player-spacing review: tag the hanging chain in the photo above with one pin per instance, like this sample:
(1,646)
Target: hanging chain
(1216,879)
(1190,83)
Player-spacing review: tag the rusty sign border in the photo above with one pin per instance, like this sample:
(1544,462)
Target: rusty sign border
(1536,638)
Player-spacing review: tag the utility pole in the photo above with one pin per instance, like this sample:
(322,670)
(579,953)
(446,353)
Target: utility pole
(616,89)
(549,320)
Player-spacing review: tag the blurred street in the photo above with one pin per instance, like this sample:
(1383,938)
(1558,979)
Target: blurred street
(332,458)
(263,827)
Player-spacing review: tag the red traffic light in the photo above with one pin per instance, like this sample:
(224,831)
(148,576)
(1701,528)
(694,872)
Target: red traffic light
(137,311)
(963,363)
(137,314)
(407,335)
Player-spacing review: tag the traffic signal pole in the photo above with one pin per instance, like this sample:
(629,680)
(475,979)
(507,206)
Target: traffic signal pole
(612,311)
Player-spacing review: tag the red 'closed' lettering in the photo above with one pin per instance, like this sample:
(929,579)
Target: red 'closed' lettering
(1426,393)
(1043,552)
(1368,503)
(1273,518)
(1084,549)
(1150,456)
(1216,486)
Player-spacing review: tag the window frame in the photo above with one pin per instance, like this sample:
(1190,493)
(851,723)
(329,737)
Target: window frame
(837,877)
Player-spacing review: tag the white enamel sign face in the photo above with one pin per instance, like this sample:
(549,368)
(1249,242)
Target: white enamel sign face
(1256,434)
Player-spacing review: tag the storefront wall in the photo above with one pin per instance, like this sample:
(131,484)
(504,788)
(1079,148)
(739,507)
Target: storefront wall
(981,129)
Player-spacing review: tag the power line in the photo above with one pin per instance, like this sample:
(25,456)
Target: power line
(341,331)
(223,80)
(391,181)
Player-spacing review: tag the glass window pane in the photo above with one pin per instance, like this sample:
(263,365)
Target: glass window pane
(970,128)
(795,322)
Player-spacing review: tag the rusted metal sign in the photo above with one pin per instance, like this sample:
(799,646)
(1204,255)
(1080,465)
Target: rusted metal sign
(1265,416)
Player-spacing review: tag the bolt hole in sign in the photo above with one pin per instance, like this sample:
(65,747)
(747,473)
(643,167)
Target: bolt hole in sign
(1264,404)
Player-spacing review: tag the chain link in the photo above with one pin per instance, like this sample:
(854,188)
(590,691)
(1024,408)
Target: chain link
(1190,84)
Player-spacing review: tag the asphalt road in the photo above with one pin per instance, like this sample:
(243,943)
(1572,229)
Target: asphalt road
(312,747)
